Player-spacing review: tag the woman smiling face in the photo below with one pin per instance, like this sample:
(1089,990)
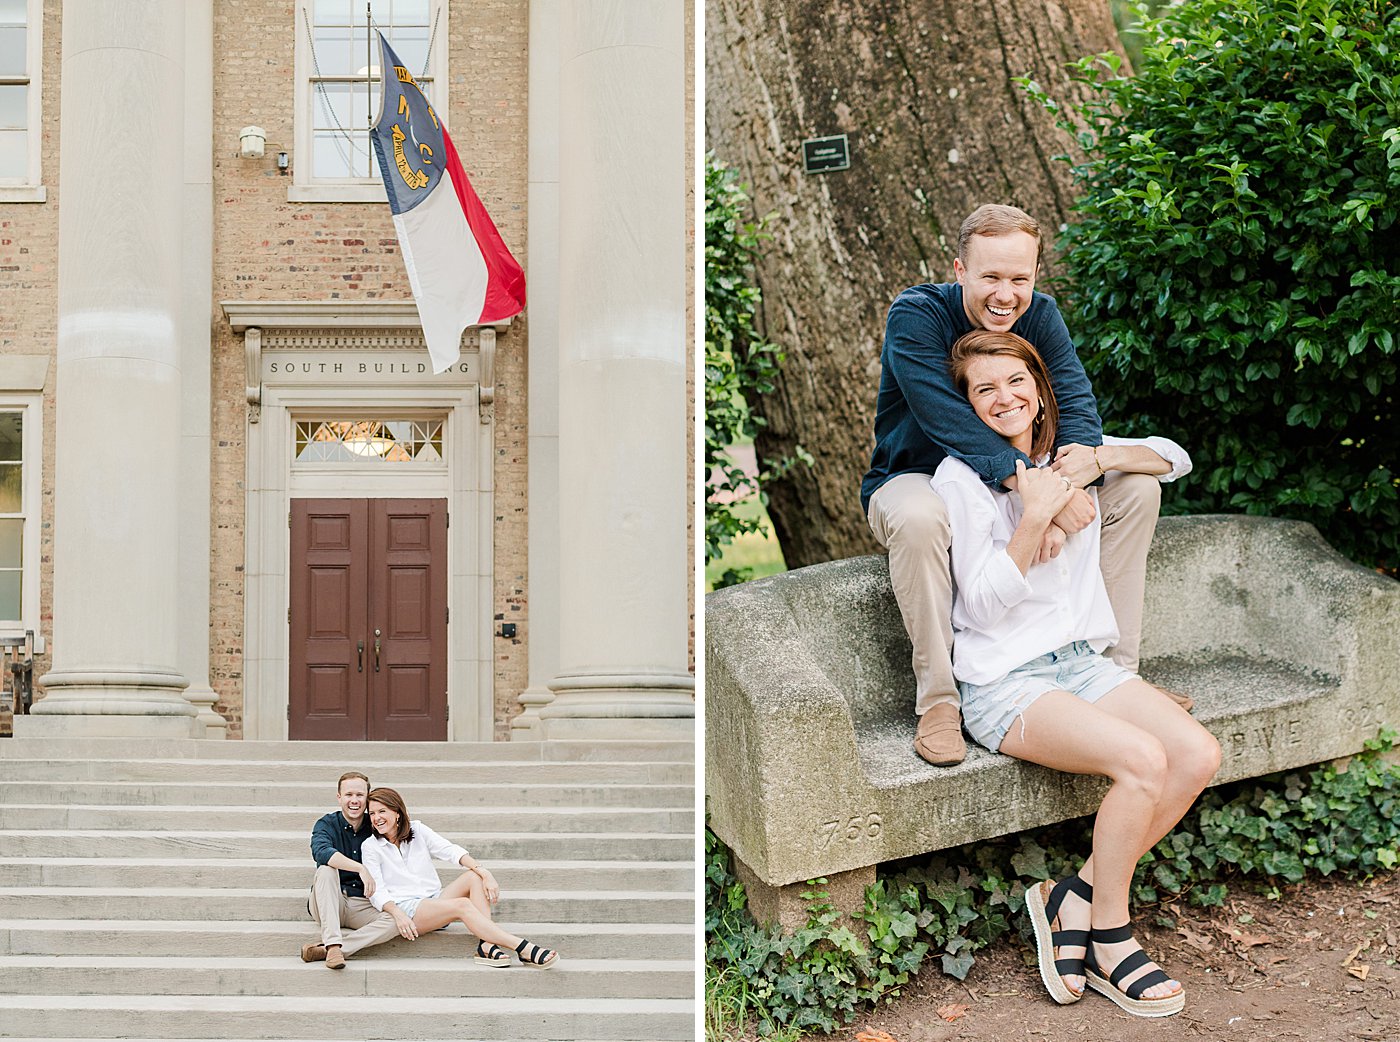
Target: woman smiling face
(1004,396)
(384,820)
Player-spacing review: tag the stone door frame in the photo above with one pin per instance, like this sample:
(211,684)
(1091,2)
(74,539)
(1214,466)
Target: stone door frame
(464,399)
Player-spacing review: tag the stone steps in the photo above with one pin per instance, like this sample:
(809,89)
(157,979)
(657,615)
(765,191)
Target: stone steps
(291,873)
(313,794)
(115,843)
(640,772)
(243,904)
(274,938)
(352,755)
(376,972)
(165,896)
(304,1017)
(444,820)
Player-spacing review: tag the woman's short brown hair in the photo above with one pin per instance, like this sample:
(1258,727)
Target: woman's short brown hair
(981,343)
(403,829)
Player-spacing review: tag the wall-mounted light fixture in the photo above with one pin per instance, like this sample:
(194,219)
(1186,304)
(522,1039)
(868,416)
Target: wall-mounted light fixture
(251,142)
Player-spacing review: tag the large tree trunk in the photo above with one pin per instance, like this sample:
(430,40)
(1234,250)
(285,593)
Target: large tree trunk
(936,128)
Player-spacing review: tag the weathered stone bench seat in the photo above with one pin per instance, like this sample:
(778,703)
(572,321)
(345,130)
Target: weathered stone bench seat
(1289,650)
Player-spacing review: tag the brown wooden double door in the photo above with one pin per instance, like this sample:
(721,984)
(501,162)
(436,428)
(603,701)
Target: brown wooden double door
(368,620)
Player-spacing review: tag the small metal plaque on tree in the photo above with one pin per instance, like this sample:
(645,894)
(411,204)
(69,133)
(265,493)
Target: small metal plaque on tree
(822,155)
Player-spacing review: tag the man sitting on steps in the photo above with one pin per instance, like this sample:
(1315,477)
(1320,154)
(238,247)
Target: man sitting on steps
(342,887)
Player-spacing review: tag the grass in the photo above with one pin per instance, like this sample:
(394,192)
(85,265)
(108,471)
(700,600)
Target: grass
(759,551)
(734,1014)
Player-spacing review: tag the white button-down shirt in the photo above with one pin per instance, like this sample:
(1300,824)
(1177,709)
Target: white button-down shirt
(1001,618)
(406,871)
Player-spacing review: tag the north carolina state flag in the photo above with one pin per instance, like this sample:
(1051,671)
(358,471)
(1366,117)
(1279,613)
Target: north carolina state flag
(460,270)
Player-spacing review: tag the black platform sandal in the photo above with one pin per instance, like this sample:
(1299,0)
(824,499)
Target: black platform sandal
(539,958)
(1043,902)
(1130,999)
(492,954)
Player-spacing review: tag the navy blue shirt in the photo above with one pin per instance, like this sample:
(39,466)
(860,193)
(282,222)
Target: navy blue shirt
(332,834)
(920,416)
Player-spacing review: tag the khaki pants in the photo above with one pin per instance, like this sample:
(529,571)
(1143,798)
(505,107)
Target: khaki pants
(332,909)
(911,522)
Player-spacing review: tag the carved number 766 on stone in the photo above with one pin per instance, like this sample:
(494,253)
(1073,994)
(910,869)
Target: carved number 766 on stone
(852,830)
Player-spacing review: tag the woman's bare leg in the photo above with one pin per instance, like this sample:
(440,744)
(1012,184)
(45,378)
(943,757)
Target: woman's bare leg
(437,912)
(1193,754)
(1066,734)
(470,886)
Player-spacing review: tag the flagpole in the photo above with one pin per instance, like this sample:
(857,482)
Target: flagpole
(369,68)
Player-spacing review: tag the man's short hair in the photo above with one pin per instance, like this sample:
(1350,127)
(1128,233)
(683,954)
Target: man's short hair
(997,219)
(346,776)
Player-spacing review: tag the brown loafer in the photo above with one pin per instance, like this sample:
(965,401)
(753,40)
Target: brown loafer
(939,739)
(313,953)
(335,958)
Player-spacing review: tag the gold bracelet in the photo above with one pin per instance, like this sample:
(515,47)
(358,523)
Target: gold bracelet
(1095,450)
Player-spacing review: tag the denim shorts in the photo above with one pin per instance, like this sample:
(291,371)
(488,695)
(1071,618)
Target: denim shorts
(989,710)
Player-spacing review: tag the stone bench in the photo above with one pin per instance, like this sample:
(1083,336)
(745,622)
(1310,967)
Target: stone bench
(1289,650)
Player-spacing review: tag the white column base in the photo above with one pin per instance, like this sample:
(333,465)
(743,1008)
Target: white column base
(203,697)
(642,706)
(525,727)
(113,704)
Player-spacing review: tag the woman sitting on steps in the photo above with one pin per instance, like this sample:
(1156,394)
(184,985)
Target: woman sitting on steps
(400,858)
(1026,654)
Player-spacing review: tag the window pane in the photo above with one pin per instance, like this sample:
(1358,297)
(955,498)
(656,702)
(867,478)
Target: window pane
(333,12)
(9,595)
(331,106)
(12,50)
(332,155)
(411,12)
(411,45)
(333,54)
(11,542)
(11,488)
(12,12)
(14,154)
(11,435)
(369,442)
(13,107)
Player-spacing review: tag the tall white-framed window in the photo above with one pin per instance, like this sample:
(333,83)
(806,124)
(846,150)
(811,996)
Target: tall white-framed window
(21,55)
(337,88)
(21,453)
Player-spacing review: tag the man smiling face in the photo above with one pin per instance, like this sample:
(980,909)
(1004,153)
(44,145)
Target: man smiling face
(351,795)
(997,278)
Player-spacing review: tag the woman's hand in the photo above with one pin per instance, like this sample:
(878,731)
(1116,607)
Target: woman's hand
(407,930)
(1078,514)
(1079,463)
(1043,492)
(488,881)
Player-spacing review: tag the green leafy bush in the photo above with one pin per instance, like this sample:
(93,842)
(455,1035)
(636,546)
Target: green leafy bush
(739,365)
(1234,274)
(1270,831)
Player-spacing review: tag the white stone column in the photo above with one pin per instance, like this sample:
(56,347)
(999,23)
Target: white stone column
(622,410)
(195,371)
(542,258)
(118,411)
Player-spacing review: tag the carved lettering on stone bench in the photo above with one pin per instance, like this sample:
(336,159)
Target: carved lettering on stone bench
(852,830)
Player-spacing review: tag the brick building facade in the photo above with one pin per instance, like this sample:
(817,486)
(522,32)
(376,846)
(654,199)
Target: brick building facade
(291,259)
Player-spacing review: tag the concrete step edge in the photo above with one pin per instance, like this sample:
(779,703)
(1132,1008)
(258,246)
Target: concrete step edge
(279,964)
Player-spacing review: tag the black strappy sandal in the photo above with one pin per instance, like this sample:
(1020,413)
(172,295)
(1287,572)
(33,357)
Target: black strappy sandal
(1130,999)
(539,958)
(1044,908)
(492,954)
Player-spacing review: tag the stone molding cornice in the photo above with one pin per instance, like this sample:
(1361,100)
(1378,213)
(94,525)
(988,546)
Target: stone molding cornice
(329,314)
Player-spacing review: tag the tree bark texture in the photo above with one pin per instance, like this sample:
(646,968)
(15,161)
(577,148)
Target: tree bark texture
(936,127)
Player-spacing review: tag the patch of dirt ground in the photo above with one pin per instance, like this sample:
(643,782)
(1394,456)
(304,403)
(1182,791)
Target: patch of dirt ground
(1318,964)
